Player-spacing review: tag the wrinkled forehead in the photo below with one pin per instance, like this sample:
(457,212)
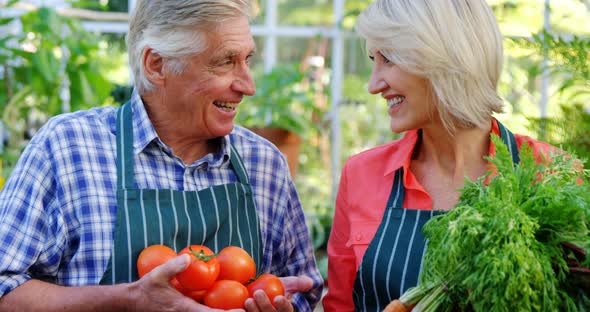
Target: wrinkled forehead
(231,38)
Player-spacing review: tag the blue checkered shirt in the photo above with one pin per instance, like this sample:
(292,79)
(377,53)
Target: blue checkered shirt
(58,208)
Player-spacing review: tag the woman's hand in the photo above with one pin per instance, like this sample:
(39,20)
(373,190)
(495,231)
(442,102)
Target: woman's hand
(292,285)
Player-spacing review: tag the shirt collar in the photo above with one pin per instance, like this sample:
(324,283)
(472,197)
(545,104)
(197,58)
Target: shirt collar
(496,131)
(143,129)
(401,157)
(144,134)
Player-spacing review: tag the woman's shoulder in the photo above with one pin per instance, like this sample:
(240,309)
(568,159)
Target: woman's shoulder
(538,147)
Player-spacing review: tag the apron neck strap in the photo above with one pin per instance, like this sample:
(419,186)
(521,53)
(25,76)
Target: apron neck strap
(125,174)
(396,196)
(238,165)
(508,139)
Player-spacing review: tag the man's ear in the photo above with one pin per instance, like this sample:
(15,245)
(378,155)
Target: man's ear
(153,65)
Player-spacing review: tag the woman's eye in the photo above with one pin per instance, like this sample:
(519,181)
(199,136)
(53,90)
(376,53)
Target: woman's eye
(372,58)
(385,60)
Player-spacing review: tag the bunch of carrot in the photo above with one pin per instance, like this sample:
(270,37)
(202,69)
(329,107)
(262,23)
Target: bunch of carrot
(502,247)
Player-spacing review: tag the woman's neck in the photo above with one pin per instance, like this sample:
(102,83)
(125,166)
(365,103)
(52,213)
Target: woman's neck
(454,156)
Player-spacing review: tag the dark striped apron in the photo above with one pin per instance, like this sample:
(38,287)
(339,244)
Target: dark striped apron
(217,217)
(393,259)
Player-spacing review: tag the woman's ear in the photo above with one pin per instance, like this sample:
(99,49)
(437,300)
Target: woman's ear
(153,65)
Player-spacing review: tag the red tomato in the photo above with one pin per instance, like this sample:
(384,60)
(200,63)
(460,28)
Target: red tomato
(203,270)
(225,295)
(153,256)
(176,284)
(270,284)
(197,295)
(236,264)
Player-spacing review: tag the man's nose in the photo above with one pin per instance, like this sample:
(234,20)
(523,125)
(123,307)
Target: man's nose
(244,83)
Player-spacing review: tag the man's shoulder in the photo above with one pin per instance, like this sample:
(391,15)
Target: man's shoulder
(71,125)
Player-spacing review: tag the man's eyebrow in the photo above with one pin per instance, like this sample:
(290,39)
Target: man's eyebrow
(230,54)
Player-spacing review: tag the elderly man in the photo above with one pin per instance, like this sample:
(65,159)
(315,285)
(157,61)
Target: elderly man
(94,188)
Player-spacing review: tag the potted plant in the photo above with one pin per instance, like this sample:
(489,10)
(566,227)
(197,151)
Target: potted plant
(282,110)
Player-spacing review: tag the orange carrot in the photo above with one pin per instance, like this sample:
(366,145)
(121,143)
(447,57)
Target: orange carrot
(395,306)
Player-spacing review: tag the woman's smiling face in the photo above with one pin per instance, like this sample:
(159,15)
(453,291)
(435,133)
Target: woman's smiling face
(409,101)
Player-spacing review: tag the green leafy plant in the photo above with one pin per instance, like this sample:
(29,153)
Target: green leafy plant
(569,60)
(569,130)
(569,65)
(282,100)
(51,66)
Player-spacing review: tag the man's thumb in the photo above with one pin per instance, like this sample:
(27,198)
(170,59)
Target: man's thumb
(172,267)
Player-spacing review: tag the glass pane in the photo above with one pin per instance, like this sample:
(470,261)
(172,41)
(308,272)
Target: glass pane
(297,49)
(305,12)
(258,59)
(261,13)
(518,18)
(570,17)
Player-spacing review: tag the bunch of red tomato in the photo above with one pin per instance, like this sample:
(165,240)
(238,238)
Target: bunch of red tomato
(222,281)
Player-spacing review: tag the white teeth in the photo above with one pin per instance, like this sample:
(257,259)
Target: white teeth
(226,106)
(394,101)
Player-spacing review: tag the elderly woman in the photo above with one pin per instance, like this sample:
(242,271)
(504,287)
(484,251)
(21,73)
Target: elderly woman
(437,65)
(169,167)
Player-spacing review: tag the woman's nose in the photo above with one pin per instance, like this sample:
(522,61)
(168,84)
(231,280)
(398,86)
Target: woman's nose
(376,83)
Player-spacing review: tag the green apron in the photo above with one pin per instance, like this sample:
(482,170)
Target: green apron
(217,217)
(393,259)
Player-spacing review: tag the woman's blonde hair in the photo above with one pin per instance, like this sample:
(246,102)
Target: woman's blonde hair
(176,29)
(455,44)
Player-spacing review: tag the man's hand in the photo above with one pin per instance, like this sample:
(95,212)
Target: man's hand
(153,292)
(292,285)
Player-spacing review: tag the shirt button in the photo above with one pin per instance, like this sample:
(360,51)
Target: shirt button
(359,236)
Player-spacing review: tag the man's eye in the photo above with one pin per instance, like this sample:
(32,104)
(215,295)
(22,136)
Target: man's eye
(249,59)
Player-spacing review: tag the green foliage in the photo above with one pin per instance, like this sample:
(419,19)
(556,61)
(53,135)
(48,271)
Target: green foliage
(365,121)
(282,100)
(109,5)
(500,248)
(569,65)
(53,61)
(121,94)
(569,60)
(570,130)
